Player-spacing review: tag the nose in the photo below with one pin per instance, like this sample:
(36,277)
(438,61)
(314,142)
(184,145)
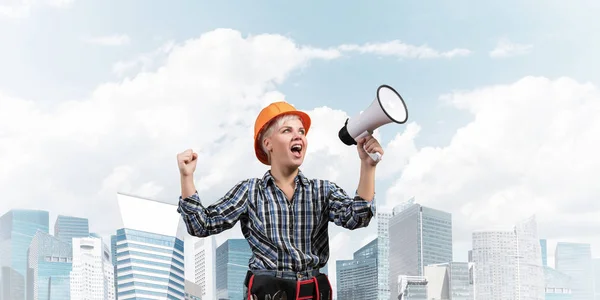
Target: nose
(297,136)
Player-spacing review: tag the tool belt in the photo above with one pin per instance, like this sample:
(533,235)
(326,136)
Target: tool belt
(268,287)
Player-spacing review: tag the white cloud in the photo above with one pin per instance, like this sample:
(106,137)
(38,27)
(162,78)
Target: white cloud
(22,8)
(145,61)
(531,149)
(400,49)
(148,61)
(72,158)
(506,48)
(108,40)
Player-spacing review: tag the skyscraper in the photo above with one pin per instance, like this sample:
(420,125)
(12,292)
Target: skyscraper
(357,278)
(66,228)
(113,258)
(149,250)
(494,256)
(383,247)
(204,266)
(557,285)
(17,229)
(596,263)
(149,264)
(49,261)
(232,259)
(419,236)
(508,264)
(544,248)
(92,275)
(575,260)
(449,281)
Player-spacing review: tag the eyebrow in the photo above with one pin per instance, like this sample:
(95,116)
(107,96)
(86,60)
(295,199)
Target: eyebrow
(290,127)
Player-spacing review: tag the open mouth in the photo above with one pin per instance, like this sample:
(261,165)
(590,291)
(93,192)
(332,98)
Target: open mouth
(296,150)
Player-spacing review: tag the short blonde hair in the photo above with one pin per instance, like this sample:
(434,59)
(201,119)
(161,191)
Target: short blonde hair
(271,126)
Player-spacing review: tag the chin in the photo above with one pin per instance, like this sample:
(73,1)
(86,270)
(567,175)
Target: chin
(296,162)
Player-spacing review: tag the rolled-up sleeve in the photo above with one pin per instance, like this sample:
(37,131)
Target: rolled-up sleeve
(204,221)
(348,212)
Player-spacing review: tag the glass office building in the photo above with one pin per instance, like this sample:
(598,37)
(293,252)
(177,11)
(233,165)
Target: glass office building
(231,261)
(383,247)
(449,281)
(149,265)
(575,260)
(596,263)
(66,228)
(357,278)
(49,262)
(544,248)
(17,229)
(418,236)
(508,263)
(92,276)
(557,285)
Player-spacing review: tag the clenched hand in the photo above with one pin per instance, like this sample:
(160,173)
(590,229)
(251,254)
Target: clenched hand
(186,161)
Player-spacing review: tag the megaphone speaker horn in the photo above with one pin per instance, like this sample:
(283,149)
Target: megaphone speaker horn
(388,107)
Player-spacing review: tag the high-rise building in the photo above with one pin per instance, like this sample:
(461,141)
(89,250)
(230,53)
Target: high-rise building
(383,247)
(193,291)
(449,281)
(149,265)
(149,250)
(418,236)
(232,259)
(494,256)
(204,266)
(575,260)
(508,264)
(544,248)
(12,284)
(17,229)
(113,258)
(357,278)
(596,263)
(557,285)
(49,261)
(66,228)
(411,288)
(92,275)
(530,271)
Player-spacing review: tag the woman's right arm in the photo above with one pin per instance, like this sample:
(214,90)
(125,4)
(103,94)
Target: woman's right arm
(203,221)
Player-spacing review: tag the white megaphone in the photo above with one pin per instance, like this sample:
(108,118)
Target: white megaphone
(387,107)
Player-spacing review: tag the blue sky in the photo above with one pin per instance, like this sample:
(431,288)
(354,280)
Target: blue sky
(45,59)
(48,61)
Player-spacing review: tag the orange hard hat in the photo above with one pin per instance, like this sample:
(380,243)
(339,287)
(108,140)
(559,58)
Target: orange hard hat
(269,113)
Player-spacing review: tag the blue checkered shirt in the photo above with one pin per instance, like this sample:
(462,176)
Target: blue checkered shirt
(283,235)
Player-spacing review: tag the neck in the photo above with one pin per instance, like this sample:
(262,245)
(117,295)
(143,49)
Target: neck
(284,175)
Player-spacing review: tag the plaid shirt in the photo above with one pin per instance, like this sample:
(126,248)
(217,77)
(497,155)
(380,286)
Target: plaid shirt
(283,235)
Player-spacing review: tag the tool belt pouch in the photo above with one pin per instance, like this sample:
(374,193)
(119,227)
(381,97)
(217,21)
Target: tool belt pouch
(262,287)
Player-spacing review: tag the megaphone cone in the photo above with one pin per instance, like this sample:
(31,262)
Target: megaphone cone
(388,107)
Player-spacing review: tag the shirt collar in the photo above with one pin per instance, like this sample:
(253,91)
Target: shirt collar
(268,178)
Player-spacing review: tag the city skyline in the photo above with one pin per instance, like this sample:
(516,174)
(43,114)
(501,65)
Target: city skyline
(130,204)
(98,97)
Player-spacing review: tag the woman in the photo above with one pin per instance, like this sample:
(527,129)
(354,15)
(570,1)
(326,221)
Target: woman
(284,215)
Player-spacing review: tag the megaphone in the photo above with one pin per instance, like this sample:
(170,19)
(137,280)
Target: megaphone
(388,107)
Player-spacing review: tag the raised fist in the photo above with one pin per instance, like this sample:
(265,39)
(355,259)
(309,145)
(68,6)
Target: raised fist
(186,161)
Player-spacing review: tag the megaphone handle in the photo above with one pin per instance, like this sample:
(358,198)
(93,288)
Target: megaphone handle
(375,156)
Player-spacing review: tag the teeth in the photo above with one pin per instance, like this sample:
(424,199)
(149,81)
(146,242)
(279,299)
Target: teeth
(296,147)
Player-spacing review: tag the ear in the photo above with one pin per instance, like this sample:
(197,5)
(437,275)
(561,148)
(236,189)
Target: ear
(267,144)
